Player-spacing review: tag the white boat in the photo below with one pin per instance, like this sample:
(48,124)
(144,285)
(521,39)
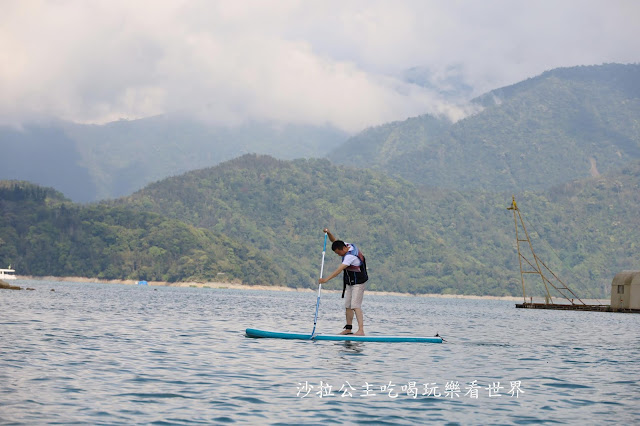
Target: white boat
(7,274)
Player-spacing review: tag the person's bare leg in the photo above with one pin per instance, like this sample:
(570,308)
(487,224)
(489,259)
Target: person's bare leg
(349,316)
(360,319)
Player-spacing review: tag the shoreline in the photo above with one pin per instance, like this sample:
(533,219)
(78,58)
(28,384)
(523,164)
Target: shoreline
(238,286)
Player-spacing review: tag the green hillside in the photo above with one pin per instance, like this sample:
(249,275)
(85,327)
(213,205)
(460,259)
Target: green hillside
(565,124)
(42,233)
(418,240)
(281,207)
(377,146)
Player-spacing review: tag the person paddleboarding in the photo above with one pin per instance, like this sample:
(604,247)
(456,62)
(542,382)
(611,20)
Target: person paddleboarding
(354,269)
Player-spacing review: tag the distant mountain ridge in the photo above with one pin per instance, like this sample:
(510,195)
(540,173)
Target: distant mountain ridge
(565,124)
(93,162)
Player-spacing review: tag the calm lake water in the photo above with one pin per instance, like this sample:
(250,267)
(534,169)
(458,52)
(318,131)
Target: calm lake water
(116,354)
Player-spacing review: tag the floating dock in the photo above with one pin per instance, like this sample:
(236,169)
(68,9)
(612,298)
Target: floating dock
(564,307)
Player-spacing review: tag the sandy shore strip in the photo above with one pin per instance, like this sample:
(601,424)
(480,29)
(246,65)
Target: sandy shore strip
(239,286)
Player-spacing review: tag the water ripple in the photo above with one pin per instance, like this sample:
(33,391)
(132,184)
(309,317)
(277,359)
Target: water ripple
(111,354)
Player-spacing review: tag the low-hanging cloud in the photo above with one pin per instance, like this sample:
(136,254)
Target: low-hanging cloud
(288,61)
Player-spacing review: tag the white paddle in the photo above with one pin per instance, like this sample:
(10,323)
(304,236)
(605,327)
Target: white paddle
(315,320)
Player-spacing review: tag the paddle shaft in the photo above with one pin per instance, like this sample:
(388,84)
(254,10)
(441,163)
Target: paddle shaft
(315,319)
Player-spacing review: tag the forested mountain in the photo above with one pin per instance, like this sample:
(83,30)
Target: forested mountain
(42,233)
(426,201)
(93,162)
(419,240)
(565,124)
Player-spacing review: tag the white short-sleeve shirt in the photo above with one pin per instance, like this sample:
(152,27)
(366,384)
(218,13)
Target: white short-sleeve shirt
(351,260)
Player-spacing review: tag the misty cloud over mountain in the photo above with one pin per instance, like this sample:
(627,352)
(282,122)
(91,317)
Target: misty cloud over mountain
(303,63)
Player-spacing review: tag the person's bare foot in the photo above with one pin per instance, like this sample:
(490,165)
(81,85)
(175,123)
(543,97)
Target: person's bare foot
(359,333)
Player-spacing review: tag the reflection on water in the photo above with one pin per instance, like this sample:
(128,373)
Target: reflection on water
(97,353)
(351,348)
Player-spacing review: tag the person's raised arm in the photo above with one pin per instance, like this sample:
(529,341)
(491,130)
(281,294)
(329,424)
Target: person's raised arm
(331,237)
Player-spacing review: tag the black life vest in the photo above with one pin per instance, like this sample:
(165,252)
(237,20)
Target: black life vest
(355,274)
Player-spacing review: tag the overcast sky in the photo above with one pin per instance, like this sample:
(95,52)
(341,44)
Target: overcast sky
(311,62)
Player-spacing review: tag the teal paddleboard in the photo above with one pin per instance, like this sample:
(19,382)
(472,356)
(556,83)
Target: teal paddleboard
(252,332)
